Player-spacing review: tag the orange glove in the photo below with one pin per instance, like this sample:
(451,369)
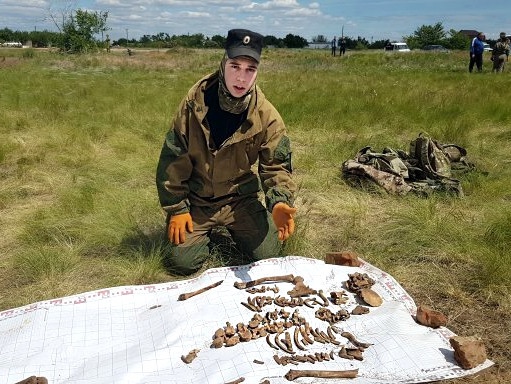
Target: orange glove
(178,226)
(283,218)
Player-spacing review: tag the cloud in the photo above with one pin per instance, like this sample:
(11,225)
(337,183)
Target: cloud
(26,3)
(272,5)
(306,12)
(114,3)
(194,15)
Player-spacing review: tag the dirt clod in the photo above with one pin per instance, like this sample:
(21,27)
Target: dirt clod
(429,317)
(346,258)
(469,351)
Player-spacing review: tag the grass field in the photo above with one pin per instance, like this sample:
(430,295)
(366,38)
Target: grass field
(80,138)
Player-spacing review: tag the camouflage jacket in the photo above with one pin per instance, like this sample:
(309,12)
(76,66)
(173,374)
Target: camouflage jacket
(192,171)
(501,48)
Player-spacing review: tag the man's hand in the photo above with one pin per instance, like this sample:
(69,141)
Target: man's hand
(178,226)
(283,218)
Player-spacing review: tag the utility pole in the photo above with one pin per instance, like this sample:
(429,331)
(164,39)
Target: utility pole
(342,31)
(126,37)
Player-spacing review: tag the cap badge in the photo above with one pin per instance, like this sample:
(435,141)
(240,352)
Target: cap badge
(246,40)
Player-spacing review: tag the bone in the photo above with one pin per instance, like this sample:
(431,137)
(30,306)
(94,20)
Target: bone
(268,340)
(237,381)
(250,306)
(305,335)
(186,296)
(34,380)
(344,354)
(190,356)
(284,278)
(296,340)
(354,341)
(300,289)
(295,374)
(283,345)
(356,353)
(331,335)
(323,297)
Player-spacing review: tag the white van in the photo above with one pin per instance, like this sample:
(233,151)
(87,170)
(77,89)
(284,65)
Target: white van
(397,47)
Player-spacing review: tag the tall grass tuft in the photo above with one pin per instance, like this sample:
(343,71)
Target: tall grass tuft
(497,238)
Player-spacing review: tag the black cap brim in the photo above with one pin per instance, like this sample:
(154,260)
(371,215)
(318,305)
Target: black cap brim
(243,51)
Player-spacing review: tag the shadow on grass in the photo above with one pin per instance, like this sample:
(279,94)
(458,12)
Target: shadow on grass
(150,242)
(146,243)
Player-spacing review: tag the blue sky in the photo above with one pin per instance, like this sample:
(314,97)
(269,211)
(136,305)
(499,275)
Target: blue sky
(371,19)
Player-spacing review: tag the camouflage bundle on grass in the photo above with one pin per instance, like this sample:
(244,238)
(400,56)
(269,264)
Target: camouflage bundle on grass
(428,167)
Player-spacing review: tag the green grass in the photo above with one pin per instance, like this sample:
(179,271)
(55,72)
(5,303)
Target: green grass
(80,138)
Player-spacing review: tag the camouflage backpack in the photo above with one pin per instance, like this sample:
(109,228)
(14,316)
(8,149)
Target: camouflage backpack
(429,156)
(438,160)
(369,169)
(427,168)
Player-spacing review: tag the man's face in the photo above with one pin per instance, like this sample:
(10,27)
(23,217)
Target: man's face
(240,74)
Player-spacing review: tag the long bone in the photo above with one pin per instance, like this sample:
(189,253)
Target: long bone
(295,374)
(186,296)
(284,278)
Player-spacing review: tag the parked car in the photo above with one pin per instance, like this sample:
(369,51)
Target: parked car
(487,47)
(397,47)
(12,44)
(435,48)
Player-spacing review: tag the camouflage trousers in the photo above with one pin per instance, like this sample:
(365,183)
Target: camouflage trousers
(245,227)
(499,62)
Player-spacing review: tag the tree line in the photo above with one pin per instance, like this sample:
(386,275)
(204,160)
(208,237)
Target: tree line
(77,32)
(85,31)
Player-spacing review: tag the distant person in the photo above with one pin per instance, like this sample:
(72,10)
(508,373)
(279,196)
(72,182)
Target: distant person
(107,43)
(334,45)
(206,179)
(476,52)
(500,53)
(342,47)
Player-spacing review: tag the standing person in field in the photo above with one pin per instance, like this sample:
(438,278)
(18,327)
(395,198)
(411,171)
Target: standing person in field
(342,47)
(205,178)
(476,52)
(500,53)
(107,43)
(333,45)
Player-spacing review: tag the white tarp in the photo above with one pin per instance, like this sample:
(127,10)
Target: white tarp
(137,334)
